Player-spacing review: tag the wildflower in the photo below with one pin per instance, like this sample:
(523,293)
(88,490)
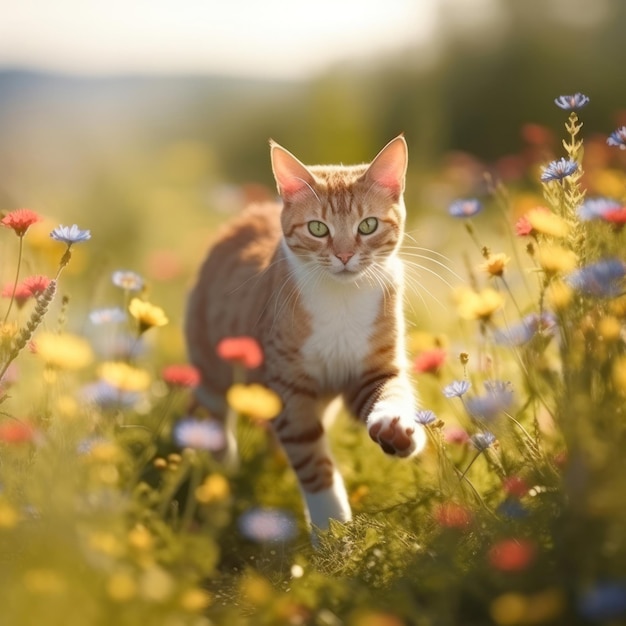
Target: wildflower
(498,398)
(483,441)
(430,361)
(20,294)
(15,431)
(495,264)
(215,488)
(456,388)
(523,227)
(243,350)
(558,170)
(200,434)
(124,377)
(181,375)
(616,216)
(121,586)
(572,103)
(609,328)
(594,208)
(515,486)
(604,602)
(64,351)
(601,279)
(513,509)
(618,138)
(425,417)
(547,223)
(127,280)
(9,516)
(481,305)
(70,234)
(156,584)
(148,315)
(106,396)
(465,207)
(456,435)
(266,525)
(512,555)
(111,315)
(254,400)
(36,284)
(558,295)
(195,600)
(451,515)
(524,331)
(20,220)
(556,259)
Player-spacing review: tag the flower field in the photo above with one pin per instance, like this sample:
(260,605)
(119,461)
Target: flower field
(116,506)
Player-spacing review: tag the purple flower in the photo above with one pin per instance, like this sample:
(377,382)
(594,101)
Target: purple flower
(70,234)
(482,441)
(597,208)
(105,396)
(498,398)
(602,279)
(456,388)
(425,417)
(572,103)
(604,602)
(201,434)
(558,170)
(467,207)
(513,509)
(266,525)
(618,138)
(525,330)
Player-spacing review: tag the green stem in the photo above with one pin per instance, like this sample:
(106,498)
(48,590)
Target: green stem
(17,277)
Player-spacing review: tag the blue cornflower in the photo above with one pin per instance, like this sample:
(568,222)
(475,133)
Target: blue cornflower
(602,279)
(594,208)
(105,396)
(524,331)
(482,441)
(127,280)
(456,388)
(201,434)
(267,525)
(425,417)
(618,138)
(558,170)
(498,398)
(604,602)
(467,207)
(70,234)
(107,316)
(572,103)
(513,509)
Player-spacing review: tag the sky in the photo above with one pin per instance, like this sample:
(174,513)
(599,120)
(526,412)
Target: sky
(265,38)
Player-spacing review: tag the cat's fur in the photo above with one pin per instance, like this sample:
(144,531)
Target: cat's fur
(327,312)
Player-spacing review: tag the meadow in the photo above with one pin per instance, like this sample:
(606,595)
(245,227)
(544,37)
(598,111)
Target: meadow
(113,509)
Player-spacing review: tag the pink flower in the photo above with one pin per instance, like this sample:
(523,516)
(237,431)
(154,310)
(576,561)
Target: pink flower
(515,486)
(181,375)
(430,361)
(512,555)
(243,350)
(523,227)
(451,515)
(13,431)
(20,220)
(36,284)
(20,296)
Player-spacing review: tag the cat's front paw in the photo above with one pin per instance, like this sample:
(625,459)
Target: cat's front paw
(396,434)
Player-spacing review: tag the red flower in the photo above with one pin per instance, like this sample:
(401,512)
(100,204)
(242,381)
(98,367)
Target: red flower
(615,216)
(523,227)
(13,431)
(20,220)
(512,555)
(430,361)
(515,486)
(36,284)
(243,350)
(451,515)
(181,375)
(20,296)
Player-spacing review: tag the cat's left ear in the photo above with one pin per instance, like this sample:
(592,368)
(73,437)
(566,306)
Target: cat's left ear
(388,169)
(290,174)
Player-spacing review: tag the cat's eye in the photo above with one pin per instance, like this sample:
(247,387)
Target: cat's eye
(368,225)
(318,229)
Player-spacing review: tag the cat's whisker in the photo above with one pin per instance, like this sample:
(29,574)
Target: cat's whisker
(432,272)
(418,287)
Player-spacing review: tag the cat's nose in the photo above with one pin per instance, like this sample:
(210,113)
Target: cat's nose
(344,257)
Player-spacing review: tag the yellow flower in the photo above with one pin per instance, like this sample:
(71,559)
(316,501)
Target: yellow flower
(547,223)
(609,328)
(214,489)
(558,295)
(495,264)
(124,377)
(619,374)
(194,600)
(64,351)
(254,400)
(555,259)
(140,538)
(473,305)
(148,315)
(121,587)
(9,516)
(156,584)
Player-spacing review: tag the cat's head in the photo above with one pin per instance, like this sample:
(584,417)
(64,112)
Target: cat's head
(343,219)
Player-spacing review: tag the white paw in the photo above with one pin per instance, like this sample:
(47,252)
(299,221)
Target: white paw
(394,431)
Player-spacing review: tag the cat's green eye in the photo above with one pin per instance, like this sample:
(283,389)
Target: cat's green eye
(368,225)
(318,229)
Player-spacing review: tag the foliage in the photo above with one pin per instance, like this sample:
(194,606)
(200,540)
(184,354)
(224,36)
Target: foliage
(114,507)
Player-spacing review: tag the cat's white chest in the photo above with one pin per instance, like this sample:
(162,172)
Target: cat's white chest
(342,322)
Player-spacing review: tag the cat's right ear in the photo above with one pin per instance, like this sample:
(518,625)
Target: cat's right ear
(291,176)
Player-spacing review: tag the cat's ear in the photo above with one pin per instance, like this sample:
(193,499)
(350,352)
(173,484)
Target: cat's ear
(388,169)
(291,175)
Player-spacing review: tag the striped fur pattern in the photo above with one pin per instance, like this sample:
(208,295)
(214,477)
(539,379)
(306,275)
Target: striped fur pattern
(325,304)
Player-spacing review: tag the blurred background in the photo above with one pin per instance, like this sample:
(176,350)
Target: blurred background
(147,121)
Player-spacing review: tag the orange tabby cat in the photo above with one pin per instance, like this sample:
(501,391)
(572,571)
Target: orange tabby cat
(319,284)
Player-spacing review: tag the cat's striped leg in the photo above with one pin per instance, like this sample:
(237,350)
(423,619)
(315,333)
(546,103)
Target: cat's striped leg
(300,431)
(385,402)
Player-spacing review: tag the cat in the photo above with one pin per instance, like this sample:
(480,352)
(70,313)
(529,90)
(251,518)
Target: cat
(319,284)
